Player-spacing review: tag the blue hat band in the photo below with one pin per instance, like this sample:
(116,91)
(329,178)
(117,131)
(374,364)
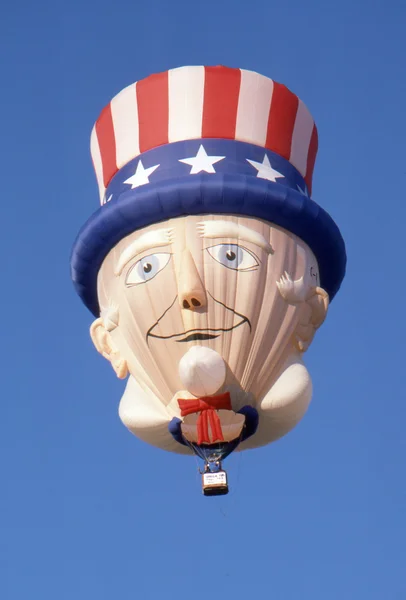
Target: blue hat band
(211,156)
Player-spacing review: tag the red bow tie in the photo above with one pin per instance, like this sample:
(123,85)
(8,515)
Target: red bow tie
(207,407)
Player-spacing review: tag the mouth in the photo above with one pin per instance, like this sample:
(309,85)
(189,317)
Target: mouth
(193,337)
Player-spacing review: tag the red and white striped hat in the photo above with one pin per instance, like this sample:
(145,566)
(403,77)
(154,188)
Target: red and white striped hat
(203,102)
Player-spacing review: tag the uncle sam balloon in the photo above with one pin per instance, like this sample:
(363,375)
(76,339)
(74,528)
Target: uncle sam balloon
(208,268)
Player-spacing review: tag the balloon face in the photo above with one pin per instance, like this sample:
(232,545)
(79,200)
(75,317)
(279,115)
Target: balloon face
(235,285)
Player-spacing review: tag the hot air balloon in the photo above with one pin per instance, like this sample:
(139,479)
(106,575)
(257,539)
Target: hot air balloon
(208,266)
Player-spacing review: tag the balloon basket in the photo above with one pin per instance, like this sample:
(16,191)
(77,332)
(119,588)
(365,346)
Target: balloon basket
(214,483)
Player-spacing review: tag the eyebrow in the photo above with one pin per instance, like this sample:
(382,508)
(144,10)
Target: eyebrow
(228,229)
(146,241)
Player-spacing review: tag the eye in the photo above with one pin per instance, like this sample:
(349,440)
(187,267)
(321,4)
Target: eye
(146,268)
(233,256)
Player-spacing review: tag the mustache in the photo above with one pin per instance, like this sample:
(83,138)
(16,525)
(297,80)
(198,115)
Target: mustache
(197,333)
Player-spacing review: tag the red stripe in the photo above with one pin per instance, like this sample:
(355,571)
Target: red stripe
(107,144)
(221,92)
(203,430)
(281,120)
(153,111)
(215,424)
(311,158)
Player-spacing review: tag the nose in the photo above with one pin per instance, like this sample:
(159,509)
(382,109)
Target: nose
(192,294)
(191,301)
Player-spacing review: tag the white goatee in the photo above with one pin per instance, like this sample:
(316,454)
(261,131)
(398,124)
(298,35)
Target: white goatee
(202,371)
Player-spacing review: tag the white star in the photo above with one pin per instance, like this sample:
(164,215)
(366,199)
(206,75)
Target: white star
(304,191)
(141,175)
(201,162)
(265,170)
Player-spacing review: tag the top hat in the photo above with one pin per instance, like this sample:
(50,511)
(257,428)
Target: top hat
(204,140)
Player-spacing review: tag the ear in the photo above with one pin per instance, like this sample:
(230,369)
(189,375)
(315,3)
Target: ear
(318,301)
(312,316)
(103,342)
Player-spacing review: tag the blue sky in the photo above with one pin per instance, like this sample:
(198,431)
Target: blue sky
(319,514)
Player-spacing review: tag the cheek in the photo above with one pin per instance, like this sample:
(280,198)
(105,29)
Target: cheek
(145,304)
(219,281)
(241,291)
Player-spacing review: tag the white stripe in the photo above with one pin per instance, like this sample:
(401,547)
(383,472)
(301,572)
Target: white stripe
(124,112)
(253,108)
(302,133)
(97,162)
(186,94)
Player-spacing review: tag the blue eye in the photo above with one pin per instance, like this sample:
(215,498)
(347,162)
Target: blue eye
(145,269)
(233,256)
